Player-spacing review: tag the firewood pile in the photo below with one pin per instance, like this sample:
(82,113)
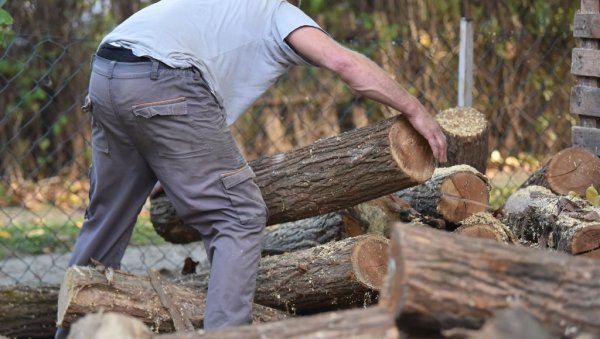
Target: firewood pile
(367,239)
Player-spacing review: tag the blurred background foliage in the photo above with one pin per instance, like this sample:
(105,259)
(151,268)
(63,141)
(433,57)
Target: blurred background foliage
(522,81)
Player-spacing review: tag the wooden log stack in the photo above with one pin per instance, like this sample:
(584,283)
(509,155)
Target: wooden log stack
(585,95)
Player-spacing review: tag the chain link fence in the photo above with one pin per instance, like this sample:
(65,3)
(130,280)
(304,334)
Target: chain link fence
(522,84)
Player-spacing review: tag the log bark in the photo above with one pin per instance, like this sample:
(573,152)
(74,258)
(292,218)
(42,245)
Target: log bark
(88,290)
(28,311)
(453,194)
(572,169)
(564,223)
(372,322)
(328,175)
(336,275)
(454,281)
(485,225)
(467,134)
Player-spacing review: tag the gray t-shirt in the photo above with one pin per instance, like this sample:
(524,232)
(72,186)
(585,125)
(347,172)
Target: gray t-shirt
(238,45)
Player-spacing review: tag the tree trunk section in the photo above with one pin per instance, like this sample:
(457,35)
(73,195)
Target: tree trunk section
(28,311)
(453,194)
(372,322)
(88,290)
(453,281)
(564,223)
(329,175)
(336,275)
(109,325)
(484,225)
(467,134)
(573,169)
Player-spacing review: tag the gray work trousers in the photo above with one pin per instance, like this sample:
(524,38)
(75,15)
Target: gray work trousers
(149,123)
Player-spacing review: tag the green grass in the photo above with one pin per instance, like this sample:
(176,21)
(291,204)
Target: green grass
(39,237)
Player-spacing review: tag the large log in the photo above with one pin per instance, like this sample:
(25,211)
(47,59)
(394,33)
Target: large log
(328,175)
(467,134)
(28,311)
(453,194)
(572,169)
(564,223)
(454,281)
(88,290)
(372,322)
(332,276)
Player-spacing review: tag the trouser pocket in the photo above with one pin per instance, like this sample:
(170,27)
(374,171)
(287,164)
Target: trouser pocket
(99,138)
(245,195)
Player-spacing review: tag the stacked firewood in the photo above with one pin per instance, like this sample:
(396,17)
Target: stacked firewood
(368,240)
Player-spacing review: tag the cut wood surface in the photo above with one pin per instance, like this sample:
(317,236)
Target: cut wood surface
(454,281)
(28,311)
(572,169)
(485,225)
(109,326)
(336,275)
(372,322)
(331,174)
(467,134)
(88,290)
(453,193)
(565,223)
(587,25)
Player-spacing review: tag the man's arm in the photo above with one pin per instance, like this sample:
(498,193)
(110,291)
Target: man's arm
(368,79)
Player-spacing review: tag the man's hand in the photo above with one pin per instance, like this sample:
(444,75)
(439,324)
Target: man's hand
(429,128)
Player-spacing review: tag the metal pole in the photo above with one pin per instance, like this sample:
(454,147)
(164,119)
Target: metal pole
(465,64)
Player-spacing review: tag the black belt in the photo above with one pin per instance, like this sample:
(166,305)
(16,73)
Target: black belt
(114,53)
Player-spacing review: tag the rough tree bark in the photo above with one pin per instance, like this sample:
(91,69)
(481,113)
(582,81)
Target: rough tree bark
(467,133)
(372,322)
(88,290)
(330,174)
(28,311)
(453,194)
(332,276)
(572,169)
(485,225)
(564,223)
(455,281)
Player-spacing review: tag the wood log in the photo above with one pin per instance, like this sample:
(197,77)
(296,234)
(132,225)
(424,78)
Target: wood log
(452,281)
(453,194)
(467,134)
(328,175)
(88,290)
(564,223)
(332,276)
(485,225)
(28,311)
(372,322)
(572,169)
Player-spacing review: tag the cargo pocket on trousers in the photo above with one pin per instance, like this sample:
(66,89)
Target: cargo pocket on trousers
(99,139)
(169,127)
(245,195)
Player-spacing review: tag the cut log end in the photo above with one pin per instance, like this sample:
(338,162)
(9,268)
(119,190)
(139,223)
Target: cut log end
(452,121)
(369,260)
(481,231)
(573,169)
(410,151)
(463,194)
(587,242)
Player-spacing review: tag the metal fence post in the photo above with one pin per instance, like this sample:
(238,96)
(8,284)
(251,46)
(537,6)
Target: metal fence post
(465,64)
